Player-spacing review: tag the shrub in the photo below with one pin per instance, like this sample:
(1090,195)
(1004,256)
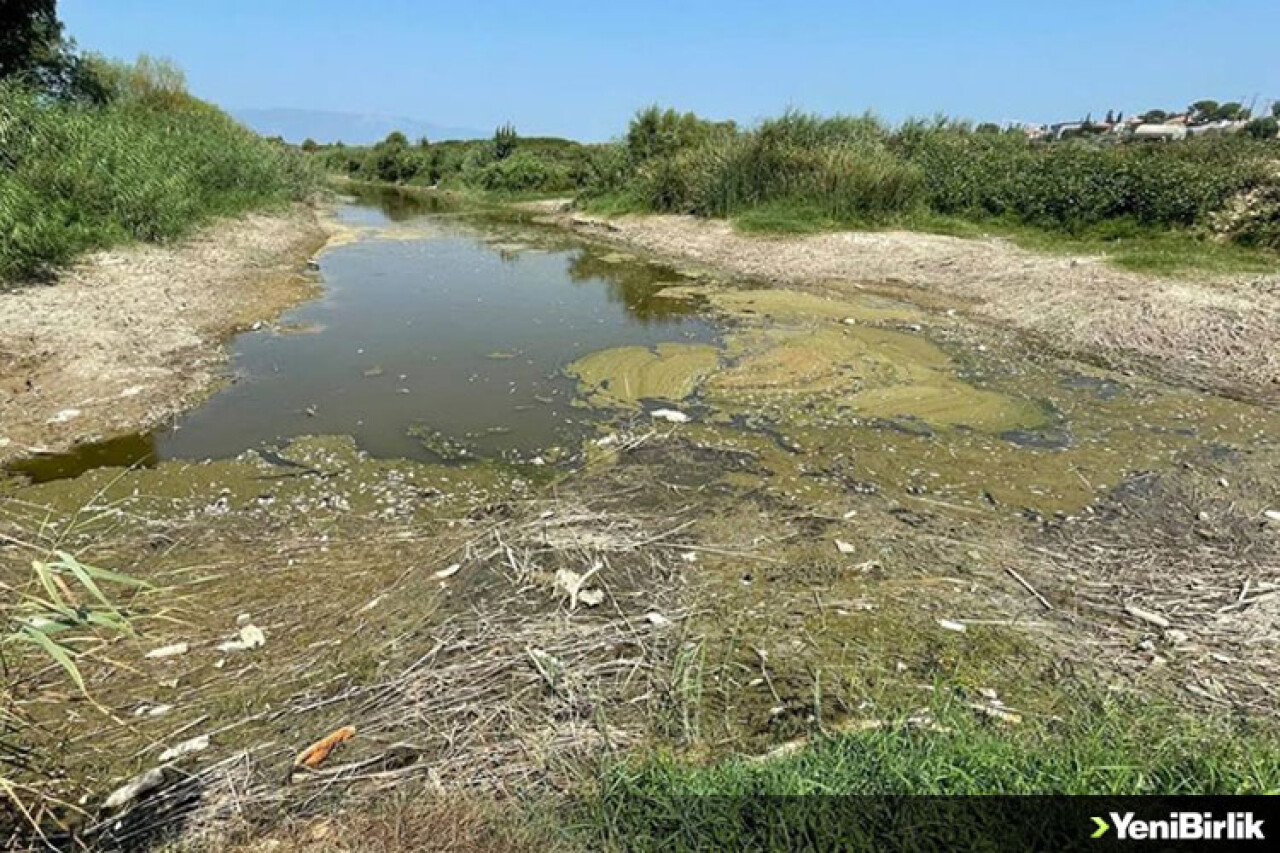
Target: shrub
(655,132)
(1263,128)
(839,166)
(521,172)
(1070,185)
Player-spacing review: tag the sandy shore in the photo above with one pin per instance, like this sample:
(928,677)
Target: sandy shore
(1221,334)
(129,336)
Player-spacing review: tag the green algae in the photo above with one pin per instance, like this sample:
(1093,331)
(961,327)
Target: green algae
(623,376)
(867,372)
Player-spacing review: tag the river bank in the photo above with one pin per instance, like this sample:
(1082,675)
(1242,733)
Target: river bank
(782,518)
(1220,333)
(128,337)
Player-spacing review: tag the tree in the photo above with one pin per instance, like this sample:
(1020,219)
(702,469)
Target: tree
(1205,110)
(1233,111)
(1111,117)
(504,141)
(32,48)
(29,35)
(1275,109)
(1263,128)
(309,145)
(397,139)
(1154,116)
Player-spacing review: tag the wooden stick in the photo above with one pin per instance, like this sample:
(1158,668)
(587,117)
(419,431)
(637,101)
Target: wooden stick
(1029,588)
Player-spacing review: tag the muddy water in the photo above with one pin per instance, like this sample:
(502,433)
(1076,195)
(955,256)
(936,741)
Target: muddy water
(433,339)
(446,334)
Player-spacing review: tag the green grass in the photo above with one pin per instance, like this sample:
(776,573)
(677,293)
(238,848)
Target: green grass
(1161,252)
(1127,245)
(77,177)
(1105,748)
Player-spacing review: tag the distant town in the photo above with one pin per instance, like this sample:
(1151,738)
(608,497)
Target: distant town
(1203,118)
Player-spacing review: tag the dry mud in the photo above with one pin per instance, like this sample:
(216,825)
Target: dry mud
(133,335)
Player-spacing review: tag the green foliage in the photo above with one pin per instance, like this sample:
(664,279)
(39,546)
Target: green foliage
(521,172)
(148,81)
(1206,110)
(801,172)
(42,618)
(34,52)
(1103,747)
(1255,221)
(148,166)
(64,607)
(537,165)
(1262,128)
(655,132)
(1071,185)
(505,139)
(839,165)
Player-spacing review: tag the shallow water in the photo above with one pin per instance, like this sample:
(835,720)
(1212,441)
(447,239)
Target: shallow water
(450,334)
(431,340)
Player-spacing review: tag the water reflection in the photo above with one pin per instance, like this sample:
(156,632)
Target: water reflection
(452,331)
(634,285)
(125,451)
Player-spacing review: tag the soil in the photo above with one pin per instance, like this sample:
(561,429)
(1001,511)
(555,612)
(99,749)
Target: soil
(130,336)
(1221,334)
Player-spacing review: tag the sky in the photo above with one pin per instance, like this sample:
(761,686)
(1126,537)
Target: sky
(581,69)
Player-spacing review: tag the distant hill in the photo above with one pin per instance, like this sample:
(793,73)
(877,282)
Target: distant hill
(351,128)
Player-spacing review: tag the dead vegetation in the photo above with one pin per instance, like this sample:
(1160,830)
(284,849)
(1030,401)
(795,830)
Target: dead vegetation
(1175,582)
(495,653)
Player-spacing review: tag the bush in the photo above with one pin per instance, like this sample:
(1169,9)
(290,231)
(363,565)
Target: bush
(75,177)
(1263,128)
(520,172)
(1070,185)
(839,166)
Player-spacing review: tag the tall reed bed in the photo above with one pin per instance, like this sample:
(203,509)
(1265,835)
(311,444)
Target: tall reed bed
(858,170)
(76,176)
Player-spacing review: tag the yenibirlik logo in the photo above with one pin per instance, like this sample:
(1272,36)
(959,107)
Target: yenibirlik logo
(1182,826)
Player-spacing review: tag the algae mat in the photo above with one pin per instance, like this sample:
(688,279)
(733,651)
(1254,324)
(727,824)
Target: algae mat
(865,372)
(623,376)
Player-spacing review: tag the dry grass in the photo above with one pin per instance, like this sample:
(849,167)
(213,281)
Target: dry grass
(1175,582)
(481,677)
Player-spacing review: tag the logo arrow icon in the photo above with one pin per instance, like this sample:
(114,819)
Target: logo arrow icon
(1103,826)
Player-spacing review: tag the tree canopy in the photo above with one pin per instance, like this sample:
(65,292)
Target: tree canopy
(33,49)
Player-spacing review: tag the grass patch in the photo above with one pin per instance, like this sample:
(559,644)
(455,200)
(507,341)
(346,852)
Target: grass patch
(1105,748)
(1125,244)
(1174,252)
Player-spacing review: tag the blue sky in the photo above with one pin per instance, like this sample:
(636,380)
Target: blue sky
(581,69)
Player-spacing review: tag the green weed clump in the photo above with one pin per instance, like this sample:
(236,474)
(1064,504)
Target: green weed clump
(840,168)
(150,164)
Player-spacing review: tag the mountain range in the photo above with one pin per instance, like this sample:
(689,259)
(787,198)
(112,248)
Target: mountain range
(295,125)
